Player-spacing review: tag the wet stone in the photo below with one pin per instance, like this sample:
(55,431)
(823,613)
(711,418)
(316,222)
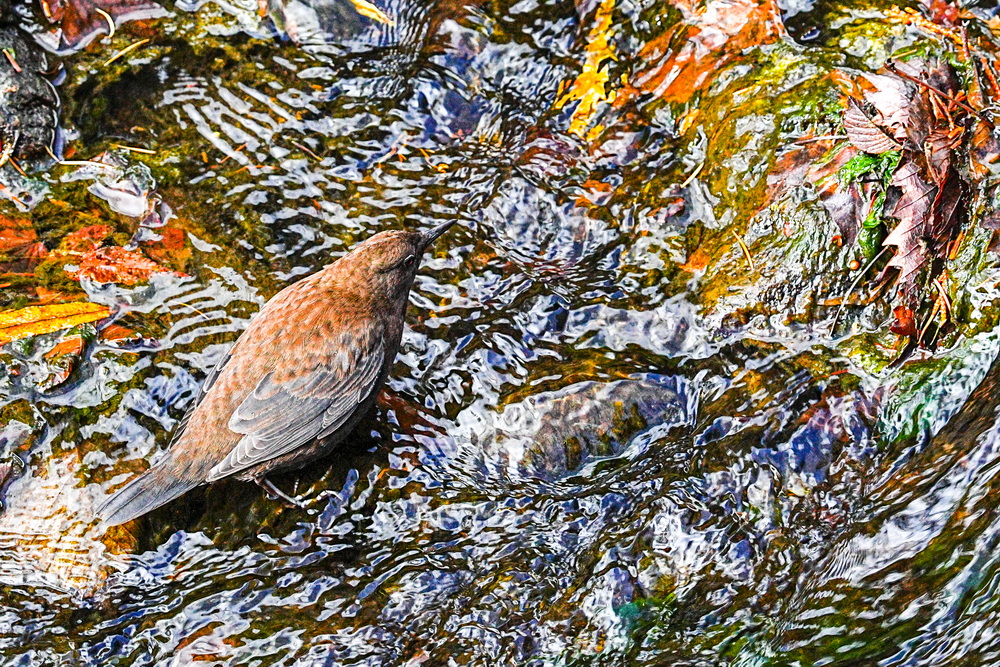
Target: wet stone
(29,106)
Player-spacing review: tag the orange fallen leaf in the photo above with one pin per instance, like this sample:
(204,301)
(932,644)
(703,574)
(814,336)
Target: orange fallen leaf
(684,60)
(37,320)
(20,244)
(69,345)
(595,192)
(114,333)
(171,248)
(114,264)
(696,261)
(62,360)
(85,240)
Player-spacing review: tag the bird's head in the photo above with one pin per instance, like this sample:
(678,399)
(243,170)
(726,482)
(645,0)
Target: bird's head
(387,262)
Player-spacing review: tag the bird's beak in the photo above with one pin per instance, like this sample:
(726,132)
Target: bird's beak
(434,233)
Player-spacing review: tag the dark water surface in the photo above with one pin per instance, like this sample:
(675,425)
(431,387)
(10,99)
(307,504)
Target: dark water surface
(591,451)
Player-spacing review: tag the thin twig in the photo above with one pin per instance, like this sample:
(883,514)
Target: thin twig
(746,250)
(988,68)
(13,63)
(16,166)
(944,297)
(831,137)
(85,163)
(109,19)
(126,50)
(4,188)
(8,148)
(930,318)
(694,175)
(307,151)
(134,149)
(225,159)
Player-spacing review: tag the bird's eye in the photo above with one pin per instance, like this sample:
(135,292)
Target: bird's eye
(410,259)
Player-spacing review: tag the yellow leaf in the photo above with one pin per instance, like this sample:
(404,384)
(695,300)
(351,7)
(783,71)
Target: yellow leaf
(591,86)
(37,320)
(369,10)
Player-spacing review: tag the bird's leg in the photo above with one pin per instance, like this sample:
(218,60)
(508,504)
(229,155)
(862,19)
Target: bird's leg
(272,490)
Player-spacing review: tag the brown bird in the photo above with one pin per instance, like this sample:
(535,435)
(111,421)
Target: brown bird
(295,383)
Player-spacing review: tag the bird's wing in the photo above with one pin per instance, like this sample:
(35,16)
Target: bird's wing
(288,410)
(210,379)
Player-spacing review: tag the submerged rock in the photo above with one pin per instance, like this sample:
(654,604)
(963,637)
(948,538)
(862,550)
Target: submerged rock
(554,433)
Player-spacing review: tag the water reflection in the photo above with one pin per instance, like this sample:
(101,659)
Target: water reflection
(591,450)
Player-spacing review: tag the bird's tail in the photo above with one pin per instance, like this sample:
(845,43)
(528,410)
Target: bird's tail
(157,486)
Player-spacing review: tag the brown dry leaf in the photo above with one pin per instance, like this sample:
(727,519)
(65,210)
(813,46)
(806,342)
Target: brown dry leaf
(938,150)
(711,36)
(913,211)
(984,151)
(590,88)
(891,98)
(844,204)
(864,133)
(37,320)
(114,264)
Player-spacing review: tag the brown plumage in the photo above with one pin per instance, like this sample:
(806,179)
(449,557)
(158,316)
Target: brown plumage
(295,383)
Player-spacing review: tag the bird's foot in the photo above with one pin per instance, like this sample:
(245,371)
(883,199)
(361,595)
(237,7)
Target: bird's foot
(275,492)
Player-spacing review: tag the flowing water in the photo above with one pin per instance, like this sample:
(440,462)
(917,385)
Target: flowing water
(595,447)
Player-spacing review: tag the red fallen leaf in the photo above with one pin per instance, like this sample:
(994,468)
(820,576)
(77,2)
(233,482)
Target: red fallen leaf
(114,264)
(865,134)
(684,60)
(80,22)
(905,324)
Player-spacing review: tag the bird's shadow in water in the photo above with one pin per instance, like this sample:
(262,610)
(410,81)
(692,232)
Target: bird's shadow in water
(234,513)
